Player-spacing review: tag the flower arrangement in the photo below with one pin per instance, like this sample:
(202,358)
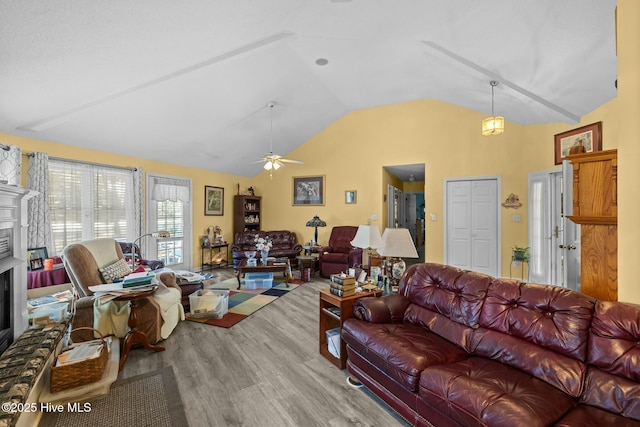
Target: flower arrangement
(263,243)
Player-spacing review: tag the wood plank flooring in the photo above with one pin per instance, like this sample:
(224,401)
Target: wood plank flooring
(264,371)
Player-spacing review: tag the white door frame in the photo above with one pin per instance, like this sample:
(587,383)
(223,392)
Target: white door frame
(498,180)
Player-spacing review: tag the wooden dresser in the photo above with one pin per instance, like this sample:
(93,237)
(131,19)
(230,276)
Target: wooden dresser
(595,208)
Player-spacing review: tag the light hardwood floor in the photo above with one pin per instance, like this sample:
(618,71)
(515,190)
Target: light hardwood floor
(264,371)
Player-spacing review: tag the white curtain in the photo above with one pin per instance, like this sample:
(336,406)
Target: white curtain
(172,189)
(39,215)
(137,200)
(11,165)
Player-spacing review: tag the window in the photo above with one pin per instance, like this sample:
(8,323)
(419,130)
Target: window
(169,209)
(90,201)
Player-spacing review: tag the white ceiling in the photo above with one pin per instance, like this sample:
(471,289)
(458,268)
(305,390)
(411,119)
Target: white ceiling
(188,82)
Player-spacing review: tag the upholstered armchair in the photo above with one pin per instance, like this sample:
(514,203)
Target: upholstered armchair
(87,264)
(339,255)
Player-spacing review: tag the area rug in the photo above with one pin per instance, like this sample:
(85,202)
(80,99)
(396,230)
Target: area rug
(151,399)
(244,302)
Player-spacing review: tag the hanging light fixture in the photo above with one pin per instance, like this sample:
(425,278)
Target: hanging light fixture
(272,161)
(493,125)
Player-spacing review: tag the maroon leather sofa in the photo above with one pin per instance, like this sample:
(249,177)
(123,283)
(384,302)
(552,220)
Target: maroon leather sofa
(285,245)
(339,254)
(458,348)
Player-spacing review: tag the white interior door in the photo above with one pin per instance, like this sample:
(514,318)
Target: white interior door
(554,240)
(471,229)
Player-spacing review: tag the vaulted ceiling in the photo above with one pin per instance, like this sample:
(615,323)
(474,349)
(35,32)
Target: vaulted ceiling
(189,82)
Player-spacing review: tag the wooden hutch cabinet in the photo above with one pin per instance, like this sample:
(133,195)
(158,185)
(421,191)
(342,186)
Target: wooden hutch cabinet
(595,208)
(247,215)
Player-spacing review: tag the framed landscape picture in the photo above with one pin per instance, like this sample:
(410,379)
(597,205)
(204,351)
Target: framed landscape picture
(213,200)
(308,190)
(584,139)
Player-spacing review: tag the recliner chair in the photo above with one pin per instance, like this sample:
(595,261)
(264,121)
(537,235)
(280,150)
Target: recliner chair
(157,317)
(339,255)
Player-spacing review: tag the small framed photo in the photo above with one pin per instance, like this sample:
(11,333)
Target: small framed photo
(213,201)
(205,241)
(36,264)
(350,197)
(308,190)
(584,139)
(34,254)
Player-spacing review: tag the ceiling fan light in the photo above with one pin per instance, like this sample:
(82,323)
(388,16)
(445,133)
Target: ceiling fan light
(493,126)
(268,165)
(276,165)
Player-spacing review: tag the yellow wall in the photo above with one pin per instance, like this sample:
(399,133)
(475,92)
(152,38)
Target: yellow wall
(352,152)
(199,178)
(628,148)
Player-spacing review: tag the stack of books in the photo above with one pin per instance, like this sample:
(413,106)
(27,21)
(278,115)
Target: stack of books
(342,285)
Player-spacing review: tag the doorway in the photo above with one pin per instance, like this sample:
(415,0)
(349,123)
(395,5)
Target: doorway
(554,240)
(471,224)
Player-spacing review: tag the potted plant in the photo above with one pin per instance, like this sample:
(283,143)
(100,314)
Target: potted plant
(520,253)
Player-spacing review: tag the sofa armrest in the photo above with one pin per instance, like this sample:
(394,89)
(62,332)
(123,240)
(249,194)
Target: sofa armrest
(236,248)
(385,309)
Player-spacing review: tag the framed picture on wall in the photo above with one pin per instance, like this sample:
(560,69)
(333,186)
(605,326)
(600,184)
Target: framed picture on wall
(350,197)
(308,190)
(213,200)
(584,139)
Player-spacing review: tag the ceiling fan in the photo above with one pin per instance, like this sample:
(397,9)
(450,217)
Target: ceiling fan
(274,161)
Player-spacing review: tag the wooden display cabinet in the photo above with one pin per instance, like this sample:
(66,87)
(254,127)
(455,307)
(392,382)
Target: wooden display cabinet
(595,208)
(334,310)
(247,215)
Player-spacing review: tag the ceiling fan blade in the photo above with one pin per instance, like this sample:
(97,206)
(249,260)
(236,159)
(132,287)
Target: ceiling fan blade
(299,162)
(259,161)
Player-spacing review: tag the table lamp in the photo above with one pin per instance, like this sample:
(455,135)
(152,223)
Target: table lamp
(368,237)
(316,222)
(398,244)
(156,234)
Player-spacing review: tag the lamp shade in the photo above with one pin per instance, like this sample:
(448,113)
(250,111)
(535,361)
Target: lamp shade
(367,237)
(493,126)
(316,222)
(398,244)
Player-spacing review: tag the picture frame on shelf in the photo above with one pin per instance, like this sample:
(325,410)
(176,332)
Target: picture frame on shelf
(205,241)
(34,254)
(350,197)
(36,264)
(585,139)
(308,190)
(213,201)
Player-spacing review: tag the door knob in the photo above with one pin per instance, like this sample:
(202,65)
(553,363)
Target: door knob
(569,247)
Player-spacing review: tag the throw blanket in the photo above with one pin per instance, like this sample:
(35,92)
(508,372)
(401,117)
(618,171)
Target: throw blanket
(111,318)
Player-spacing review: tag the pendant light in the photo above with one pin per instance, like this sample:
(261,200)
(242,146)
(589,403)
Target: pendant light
(493,125)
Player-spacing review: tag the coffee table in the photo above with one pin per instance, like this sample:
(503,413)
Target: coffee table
(271,267)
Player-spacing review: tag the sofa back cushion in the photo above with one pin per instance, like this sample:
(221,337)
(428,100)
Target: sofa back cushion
(445,300)
(282,239)
(540,329)
(613,381)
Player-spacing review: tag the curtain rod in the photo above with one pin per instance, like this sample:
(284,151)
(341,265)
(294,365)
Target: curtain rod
(62,159)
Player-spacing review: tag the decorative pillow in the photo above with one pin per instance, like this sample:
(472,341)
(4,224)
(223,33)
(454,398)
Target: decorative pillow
(114,271)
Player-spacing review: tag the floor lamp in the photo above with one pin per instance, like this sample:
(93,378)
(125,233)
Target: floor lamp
(156,234)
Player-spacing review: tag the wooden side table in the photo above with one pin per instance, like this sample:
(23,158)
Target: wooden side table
(136,336)
(334,310)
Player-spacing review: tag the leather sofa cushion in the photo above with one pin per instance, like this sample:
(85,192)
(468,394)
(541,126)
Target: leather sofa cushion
(403,351)
(612,393)
(335,257)
(588,416)
(452,292)
(483,392)
(614,341)
(548,316)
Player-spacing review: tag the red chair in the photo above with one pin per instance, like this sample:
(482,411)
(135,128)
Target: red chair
(339,255)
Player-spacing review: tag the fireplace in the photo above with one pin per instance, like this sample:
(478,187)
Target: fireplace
(13,267)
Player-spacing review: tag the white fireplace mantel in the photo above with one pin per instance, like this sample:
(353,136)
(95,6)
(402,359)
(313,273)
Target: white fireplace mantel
(13,215)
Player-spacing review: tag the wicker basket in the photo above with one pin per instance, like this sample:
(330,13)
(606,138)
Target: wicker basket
(80,373)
